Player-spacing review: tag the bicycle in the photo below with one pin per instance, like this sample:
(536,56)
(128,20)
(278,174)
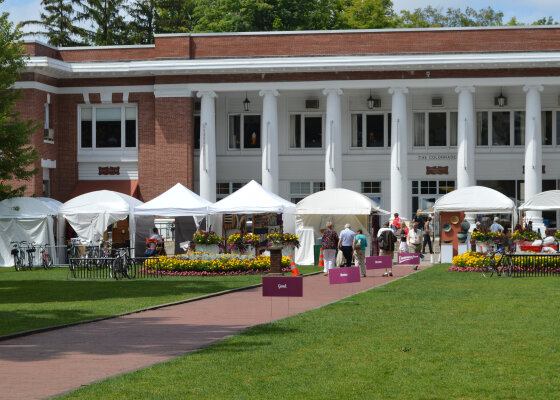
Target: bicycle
(499,262)
(30,255)
(122,264)
(46,259)
(19,255)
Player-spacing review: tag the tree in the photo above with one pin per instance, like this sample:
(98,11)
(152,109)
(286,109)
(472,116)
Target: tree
(17,154)
(545,21)
(109,27)
(58,22)
(175,16)
(142,26)
(453,17)
(367,14)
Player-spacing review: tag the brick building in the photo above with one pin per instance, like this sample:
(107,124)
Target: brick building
(403,116)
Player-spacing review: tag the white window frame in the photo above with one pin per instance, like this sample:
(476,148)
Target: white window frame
(242,132)
(93,148)
(312,189)
(220,196)
(364,116)
(427,129)
(302,127)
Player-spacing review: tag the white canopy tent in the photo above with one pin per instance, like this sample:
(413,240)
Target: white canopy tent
(176,202)
(26,218)
(254,199)
(544,201)
(340,206)
(475,199)
(91,213)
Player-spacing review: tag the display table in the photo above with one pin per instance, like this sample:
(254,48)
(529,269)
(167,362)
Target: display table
(447,253)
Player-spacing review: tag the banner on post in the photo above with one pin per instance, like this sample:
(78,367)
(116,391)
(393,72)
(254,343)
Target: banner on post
(344,275)
(282,286)
(408,258)
(379,262)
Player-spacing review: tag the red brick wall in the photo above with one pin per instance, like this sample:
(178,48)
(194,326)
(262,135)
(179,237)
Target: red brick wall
(147,156)
(339,43)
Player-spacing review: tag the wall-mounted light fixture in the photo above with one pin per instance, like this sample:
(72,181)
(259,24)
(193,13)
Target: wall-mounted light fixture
(501,100)
(372,102)
(246,103)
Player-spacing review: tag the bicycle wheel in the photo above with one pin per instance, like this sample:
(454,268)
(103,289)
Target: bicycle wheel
(507,267)
(18,262)
(118,269)
(47,261)
(487,267)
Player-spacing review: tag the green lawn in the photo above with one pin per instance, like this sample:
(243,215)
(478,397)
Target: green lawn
(39,298)
(433,335)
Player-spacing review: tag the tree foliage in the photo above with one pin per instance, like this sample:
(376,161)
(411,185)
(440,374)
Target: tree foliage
(58,22)
(17,155)
(107,22)
(453,17)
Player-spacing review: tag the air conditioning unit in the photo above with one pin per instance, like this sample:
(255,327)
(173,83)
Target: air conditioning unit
(437,101)
(49,134)
(312,104)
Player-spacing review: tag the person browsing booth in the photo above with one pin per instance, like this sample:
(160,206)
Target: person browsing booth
(154,242)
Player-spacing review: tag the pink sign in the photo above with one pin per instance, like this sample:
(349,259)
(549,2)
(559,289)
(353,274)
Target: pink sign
(408,258)
(379,262)
(282,286)
(344,275)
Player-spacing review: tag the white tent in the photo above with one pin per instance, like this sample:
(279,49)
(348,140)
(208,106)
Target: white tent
(91,213)
(26,218)
(544,201)
(175,202)
(475,199)
(340,206)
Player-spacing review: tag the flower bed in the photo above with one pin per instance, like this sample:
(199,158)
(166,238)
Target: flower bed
(202,264)
(472,262)
(207,238)
(242,243)
(283,239)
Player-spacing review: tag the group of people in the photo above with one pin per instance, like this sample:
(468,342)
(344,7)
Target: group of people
(348,242)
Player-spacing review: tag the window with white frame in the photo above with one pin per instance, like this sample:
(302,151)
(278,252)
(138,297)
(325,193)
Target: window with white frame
(504,128)
(300,190)
(306,131)
(372,189)
(107,127)
(435,129)
(368,130)
(224,189)
(245,131)
(196,140)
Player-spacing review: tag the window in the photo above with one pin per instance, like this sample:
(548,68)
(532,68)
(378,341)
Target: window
(103,127)
(425,193)
(300,190)
(500,128)
(519,128)
(196,132)
(373,191)
(546,128)
(223,189)
(306,131)
(432,127)
(482,128)
(244,131)
(374,131)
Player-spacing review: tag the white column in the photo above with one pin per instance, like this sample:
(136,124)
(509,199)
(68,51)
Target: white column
(465,137)
(269,139)
(333,154)
(399,153)
(207,145)
(533,150)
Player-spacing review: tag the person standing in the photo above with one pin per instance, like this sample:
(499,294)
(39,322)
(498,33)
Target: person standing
(360,244)
(346,243)
(496,227)
(386,239)
(419,219)
(414,239)
(428,235)
(330,247)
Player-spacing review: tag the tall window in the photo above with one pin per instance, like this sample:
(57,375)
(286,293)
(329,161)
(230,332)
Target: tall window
(244,131)
(300,190)
(306,131)
(500,128)
(432,128)
(368,130)
(106,127)
(508,127)
(196,132)
(372,190)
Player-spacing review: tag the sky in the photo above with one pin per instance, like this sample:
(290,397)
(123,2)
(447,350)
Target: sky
(525,11)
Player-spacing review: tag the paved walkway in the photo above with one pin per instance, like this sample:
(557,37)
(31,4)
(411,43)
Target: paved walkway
(50,363)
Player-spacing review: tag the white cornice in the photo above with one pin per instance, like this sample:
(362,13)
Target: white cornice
(400,62)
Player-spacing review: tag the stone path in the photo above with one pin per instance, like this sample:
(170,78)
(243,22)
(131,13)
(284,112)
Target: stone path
(51,363)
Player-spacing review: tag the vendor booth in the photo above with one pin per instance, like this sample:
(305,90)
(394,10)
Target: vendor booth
(178,202)
(452,207)
(340,206)
(544,201)
(263,205)
(92,213)
(30,219)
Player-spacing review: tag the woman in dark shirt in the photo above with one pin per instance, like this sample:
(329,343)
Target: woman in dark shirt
(330,247)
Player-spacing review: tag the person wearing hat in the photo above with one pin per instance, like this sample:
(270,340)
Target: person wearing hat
(496,227)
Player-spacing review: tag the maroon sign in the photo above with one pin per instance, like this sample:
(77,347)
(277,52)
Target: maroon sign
(282,286)
(109,170)
(408,258)
(379,262)
(437,170)
(344,275)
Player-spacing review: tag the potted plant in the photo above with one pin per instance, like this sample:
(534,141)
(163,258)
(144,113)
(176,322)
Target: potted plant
(285,241)
(207,242)
(480,239)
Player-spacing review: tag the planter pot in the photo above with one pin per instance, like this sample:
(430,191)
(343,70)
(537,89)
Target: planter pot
(289,250)
(208,248)
(481,247)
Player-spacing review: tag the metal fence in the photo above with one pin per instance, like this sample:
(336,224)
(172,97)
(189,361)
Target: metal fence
(535,264)
(114,268)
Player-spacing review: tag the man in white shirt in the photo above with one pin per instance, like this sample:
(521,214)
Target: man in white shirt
(414,239)
(496,227)
(346,242)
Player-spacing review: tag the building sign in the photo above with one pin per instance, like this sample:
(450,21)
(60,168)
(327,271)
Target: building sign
(438,157)
(344,275)
(437,170)
(109,170)
(282,286)
(543,169)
